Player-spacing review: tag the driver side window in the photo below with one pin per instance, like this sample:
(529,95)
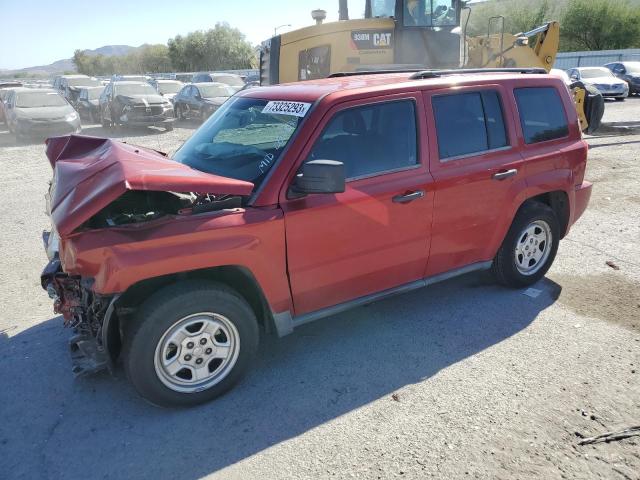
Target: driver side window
(371,139)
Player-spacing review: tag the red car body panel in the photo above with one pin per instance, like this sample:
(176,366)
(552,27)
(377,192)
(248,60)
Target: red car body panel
(118,258)
(321,250)
(91,172)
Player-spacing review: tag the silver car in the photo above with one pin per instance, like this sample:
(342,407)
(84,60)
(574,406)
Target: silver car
(601,78)
(39,112)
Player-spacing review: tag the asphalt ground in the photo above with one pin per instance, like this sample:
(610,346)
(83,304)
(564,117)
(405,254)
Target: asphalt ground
(464,379)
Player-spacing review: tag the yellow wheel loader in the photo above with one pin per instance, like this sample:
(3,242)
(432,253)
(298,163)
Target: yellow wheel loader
(412,35)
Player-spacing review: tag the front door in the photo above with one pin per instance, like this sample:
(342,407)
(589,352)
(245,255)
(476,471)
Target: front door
(375,235)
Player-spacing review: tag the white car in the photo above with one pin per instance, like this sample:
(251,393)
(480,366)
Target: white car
(601,78)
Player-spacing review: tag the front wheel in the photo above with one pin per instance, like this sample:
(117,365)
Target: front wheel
(189,343)
(529,247)
(620,99)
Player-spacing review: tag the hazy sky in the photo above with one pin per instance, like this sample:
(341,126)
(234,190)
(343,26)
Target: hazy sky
(38,32)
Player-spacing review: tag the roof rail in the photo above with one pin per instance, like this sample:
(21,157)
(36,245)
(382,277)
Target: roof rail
(456,71)
(372,72)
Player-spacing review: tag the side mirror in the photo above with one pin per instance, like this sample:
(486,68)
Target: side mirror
(574,77)
(319,176)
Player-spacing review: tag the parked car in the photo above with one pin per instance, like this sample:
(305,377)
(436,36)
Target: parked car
(629,72)
(167,88)
(5,87)
(230,79)
(200,100)
(184,77)
(252,78)
(88,103)
(134,104)
(602,79)
(39,113)
(562,74)
(312,198)
(69,85)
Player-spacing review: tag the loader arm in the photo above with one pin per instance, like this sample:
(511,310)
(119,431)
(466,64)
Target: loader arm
(535,48)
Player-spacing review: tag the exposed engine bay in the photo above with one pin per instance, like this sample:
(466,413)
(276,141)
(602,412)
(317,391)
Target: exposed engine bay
(138,206)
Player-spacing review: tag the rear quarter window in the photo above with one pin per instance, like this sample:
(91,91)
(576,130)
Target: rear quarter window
(542,114)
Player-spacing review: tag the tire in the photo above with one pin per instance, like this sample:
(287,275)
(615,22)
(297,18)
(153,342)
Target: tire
(620,99)
(149,340)
(517,270)
(168,127)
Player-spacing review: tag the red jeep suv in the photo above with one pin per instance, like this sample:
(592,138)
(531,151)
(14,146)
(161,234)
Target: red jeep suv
(298,201)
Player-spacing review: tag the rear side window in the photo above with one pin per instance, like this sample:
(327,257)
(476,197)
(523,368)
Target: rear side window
(370,139)
(468,123)
(542,115)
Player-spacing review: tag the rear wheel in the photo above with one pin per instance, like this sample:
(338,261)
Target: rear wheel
(189,343)
(529,247)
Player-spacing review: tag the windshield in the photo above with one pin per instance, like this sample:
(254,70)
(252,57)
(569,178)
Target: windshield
(595,72)
(383,8)
(82,82)
(210,91)
(429,13)
(134,89)
(169,87)
(229,80)
(239,141)
(39,99)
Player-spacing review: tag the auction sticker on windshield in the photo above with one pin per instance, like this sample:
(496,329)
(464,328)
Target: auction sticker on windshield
(298,109)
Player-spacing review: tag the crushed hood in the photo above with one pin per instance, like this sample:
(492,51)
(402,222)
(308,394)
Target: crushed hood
(90,173)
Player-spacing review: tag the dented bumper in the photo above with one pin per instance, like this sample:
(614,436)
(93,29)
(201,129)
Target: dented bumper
(83,311)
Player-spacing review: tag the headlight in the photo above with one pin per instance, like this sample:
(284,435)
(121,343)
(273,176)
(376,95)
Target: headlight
(71,116)
(167,106)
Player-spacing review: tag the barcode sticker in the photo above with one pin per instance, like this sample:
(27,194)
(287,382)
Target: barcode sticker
(298,109)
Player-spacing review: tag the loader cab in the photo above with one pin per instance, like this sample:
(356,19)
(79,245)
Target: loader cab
(426,32)
(393,34)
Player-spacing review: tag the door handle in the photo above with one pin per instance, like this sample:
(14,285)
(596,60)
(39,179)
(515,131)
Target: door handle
(504,174)
(408,197)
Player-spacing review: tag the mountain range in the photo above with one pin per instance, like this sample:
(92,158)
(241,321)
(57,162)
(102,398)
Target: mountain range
(66,65)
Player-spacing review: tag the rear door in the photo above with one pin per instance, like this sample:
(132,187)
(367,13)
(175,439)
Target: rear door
(375,235)
(477,172)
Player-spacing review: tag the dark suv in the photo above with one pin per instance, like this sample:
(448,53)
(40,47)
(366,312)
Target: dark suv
(298,201)
(134,104)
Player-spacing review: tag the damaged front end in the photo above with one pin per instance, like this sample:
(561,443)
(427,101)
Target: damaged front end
(87,313)
(97,185)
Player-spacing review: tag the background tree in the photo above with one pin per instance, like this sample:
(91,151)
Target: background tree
(520,15)
(600,25)
(584,24)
